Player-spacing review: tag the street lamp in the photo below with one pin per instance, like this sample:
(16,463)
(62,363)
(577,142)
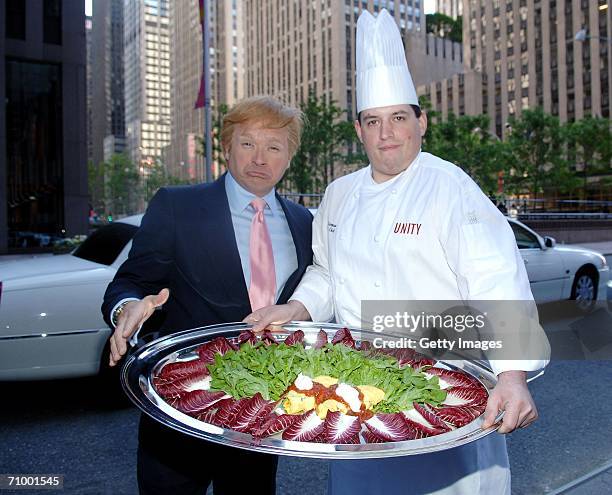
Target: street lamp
(583,36)
(478,130)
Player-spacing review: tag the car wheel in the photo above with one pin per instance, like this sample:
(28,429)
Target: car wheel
(584,289)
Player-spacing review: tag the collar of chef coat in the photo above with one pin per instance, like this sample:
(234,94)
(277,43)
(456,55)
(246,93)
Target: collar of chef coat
(239,198)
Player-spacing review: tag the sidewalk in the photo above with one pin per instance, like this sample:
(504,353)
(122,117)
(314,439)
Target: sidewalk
(598,482)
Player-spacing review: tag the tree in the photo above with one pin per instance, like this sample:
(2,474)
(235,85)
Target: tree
(327,140)
(95,182)
(122,185)
(158,176)
(466,142)
(444,26)
(217,124)
(537,149)
(589,143)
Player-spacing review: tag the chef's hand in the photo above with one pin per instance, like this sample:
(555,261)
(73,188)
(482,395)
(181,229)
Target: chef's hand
(133,316)
(512,396)
(277,315)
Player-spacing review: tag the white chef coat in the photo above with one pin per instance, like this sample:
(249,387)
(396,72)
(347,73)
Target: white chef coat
(427,234)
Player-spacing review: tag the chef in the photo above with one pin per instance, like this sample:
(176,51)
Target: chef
(411,226)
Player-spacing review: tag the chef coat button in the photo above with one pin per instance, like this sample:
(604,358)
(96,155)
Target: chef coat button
(341,237)
(393,191)
(377,283)
(356,195)
(376,238)
(341,280)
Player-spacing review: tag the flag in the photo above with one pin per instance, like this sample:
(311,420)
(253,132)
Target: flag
(201,94)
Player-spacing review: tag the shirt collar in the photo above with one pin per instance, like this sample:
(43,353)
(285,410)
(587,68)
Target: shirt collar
(239,198)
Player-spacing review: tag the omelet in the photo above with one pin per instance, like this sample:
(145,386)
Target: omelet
(297,403)
(330,405)
(371,395)
(326,381)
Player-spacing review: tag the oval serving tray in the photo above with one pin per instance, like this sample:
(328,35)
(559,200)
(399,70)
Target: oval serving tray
(143,365)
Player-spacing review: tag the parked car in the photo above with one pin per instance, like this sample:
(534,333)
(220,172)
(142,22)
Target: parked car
(50,320)
(560,272)
(51,326)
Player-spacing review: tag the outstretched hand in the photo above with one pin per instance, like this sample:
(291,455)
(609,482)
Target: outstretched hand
(133,316)
(277,315)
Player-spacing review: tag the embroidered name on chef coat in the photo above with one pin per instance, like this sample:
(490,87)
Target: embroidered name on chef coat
(407,228)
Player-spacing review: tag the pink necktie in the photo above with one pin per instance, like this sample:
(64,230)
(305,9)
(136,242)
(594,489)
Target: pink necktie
(262,289)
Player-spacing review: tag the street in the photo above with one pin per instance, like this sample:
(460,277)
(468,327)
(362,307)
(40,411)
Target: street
(75,428)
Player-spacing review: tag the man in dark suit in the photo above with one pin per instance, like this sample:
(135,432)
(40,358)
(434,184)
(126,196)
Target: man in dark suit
(208,254)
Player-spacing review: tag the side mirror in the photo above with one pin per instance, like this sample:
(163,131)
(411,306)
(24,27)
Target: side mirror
(550,242)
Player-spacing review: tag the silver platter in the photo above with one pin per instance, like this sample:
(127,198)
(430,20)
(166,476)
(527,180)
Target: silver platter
(143,365)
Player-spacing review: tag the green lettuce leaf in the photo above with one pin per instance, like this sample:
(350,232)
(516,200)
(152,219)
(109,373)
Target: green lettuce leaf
(270,370)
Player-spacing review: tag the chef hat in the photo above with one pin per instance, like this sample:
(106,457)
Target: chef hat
(383,78)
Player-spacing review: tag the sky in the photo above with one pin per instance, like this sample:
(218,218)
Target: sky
(428,6)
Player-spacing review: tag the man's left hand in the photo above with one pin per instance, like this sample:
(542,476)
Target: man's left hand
(512,396)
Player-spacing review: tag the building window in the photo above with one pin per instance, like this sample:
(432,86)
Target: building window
(52,22)
(15,19)
(35,177)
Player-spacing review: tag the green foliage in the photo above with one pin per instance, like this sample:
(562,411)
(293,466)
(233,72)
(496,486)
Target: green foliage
(538,155)
(217,124)
(118,189)
(444,26)
(157,176)
(95,181)
(590,145)
(466,142)
(270,370)
(327,141)
(122,185)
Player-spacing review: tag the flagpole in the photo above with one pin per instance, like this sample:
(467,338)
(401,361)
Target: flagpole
(207,109)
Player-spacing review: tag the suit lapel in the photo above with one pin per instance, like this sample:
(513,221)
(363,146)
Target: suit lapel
(299,240)
(220,240)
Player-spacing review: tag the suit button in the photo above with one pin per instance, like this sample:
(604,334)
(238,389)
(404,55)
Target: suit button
(378,283)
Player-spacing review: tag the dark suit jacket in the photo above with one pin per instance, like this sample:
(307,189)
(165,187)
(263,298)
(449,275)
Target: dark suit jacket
(186,242)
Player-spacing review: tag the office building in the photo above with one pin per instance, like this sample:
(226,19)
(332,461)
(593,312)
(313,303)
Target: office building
(528,56)
(108,107)
(451,8)
(43,143)
(146,40)
(184,157)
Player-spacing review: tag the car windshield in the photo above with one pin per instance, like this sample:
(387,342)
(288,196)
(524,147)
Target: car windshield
(524,238)
(104,245)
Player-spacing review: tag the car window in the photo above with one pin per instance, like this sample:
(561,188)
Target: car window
(104,245)
(524,238)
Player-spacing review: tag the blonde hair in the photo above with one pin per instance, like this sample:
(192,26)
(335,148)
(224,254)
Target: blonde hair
(268,111)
